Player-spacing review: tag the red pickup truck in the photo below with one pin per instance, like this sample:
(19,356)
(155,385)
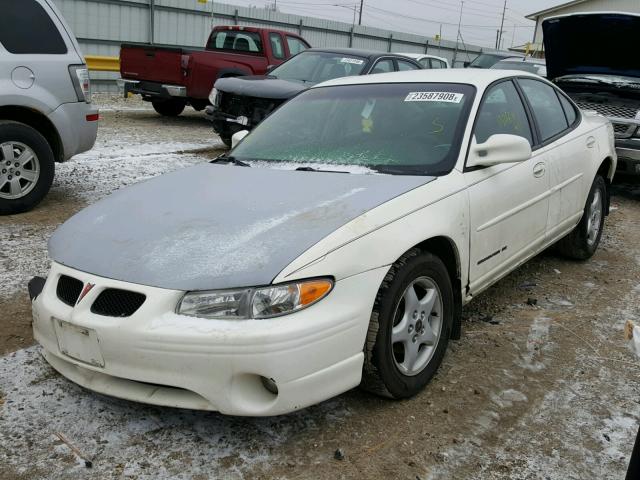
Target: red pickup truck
(170,78)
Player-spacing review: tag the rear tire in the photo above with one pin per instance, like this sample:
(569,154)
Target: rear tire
(26,167)
(408,333)
(168,108)
(584,239)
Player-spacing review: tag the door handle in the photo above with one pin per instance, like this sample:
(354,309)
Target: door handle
(591,141)
(538,169)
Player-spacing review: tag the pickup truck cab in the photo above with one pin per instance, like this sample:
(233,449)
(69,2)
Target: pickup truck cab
(46,114)
(171,78)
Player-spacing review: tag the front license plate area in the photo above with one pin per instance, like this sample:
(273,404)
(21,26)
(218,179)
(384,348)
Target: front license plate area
(79,343)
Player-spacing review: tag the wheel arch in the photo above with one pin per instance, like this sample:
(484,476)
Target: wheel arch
(446,250)
(607,170)
(37,121)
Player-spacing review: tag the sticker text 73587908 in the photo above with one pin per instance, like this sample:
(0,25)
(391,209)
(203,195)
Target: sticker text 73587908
(434,97)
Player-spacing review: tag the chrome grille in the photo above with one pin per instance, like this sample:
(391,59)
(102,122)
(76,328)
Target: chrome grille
(610,110)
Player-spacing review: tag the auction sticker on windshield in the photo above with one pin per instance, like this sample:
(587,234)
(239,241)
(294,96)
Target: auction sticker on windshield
(434,97)
(355,61)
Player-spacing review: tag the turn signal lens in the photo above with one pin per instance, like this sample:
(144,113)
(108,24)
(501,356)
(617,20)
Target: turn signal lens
(313,290)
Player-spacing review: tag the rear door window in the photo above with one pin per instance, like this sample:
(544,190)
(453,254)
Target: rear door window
(425,62)
(502,111)
(403,65)
(546,107)
(277,47)
(383,66)
(26,28)
(435,63)
(235,40)
(296,45)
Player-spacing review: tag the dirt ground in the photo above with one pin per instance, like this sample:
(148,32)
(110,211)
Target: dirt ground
(541,386)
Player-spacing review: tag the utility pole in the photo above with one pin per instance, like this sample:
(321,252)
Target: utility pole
(455,53)
(504,8)
(361,6)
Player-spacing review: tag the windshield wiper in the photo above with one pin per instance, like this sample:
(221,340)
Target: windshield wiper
(311,169)
(230,159)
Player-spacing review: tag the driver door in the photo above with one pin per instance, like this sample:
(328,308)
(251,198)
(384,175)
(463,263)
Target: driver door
(509,203)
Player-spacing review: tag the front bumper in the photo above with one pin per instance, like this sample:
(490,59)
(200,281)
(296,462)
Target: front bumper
(77,127)
(156,356)
(224,121)
(628,151)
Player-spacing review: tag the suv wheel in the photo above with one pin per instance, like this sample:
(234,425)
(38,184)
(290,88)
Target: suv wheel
(168,108)
(26,167)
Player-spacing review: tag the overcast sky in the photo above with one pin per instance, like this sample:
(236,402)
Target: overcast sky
(480,18)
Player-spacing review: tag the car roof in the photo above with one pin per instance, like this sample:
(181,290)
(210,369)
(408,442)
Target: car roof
(537,61)
(480,78)
(420,56)
(357,52)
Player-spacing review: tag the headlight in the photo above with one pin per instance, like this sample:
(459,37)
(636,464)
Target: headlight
(213,96)
(259,302)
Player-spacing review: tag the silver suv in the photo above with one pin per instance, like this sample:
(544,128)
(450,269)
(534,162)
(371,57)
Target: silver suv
(45,102)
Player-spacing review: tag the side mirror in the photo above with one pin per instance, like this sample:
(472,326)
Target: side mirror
(237,137)
(270,68)
(466,64)
(498,149)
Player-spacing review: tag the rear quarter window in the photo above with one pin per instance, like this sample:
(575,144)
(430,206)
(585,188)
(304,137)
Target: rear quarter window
(26,28)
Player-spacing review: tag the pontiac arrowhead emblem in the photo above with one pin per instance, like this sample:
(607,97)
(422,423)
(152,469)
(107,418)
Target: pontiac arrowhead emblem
(87,288)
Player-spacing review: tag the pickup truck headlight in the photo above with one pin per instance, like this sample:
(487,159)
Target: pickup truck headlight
(258,303)
(213,96)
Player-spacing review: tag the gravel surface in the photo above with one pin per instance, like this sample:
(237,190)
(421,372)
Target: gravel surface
(542,384)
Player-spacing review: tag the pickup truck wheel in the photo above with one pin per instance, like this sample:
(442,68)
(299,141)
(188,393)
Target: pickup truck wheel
(168,108)
(410,326)
(583,240)
(26,167)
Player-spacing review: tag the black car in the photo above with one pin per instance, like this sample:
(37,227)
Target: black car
(240,103)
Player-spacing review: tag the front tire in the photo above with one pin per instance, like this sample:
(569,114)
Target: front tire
(168,108)
(584,239)
(410,326)
(26,167)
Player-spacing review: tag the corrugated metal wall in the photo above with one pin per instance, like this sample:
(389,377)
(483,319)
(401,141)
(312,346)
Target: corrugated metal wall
(102,25)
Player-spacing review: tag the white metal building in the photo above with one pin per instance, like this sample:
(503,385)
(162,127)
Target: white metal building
(631,6)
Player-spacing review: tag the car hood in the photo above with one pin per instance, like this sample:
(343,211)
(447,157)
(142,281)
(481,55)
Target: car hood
(216,226)
(261,86)
(592,43)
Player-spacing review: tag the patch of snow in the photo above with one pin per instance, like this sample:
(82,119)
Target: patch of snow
(537,338)
(126,438)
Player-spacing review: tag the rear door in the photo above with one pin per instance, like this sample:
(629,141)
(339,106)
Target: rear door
(566,153)
(508,203)
(35,54)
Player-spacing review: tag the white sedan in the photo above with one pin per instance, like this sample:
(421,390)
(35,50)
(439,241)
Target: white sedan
(334,246)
